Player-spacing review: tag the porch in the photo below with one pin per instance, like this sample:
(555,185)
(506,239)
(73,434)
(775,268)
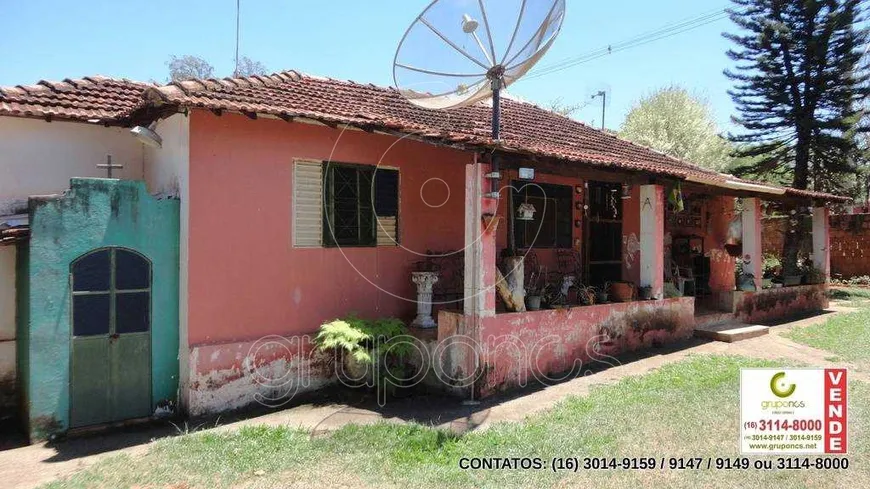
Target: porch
(677,246)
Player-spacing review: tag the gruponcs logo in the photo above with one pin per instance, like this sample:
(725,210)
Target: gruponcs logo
(780,387)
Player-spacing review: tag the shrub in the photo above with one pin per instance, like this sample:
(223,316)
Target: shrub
(382,342)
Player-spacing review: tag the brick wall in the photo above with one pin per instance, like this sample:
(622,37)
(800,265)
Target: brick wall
(773,230)
(850,242)
(850,245)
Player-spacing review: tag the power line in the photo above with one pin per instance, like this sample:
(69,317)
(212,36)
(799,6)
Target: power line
(659,33)
(664,32)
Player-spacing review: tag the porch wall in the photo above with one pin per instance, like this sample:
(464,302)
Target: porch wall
(542,346)
(7,331)
(776,304)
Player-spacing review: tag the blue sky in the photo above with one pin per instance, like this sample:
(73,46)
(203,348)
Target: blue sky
(353,39)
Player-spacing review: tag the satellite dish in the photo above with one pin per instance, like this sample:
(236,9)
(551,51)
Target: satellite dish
(458,52)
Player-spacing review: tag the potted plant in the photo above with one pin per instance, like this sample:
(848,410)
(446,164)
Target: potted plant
(671,291)
(746,283)
(601,295)
(792,280)
(622,291)
(771,268)
(586,295)
(645,293)
(815,276)
(534,292)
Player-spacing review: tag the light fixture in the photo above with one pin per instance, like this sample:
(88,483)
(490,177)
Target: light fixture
(147,135)
(626,191)
(469,25)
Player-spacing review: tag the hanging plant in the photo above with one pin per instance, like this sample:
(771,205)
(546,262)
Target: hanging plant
(675,198)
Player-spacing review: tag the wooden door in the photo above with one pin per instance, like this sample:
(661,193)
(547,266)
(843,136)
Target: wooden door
(110,357)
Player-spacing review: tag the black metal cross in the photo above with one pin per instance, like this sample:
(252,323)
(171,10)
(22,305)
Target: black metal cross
(109,166)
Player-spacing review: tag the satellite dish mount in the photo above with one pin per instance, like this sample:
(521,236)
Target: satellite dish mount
(434,70)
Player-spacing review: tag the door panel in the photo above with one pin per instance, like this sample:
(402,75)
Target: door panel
(131,382)
(110,363)
(89,394)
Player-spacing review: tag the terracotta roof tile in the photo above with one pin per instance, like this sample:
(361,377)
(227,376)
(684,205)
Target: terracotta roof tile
(91,98)
(526,128)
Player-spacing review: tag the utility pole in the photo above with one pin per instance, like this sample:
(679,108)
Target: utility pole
(238,10)
(603,95)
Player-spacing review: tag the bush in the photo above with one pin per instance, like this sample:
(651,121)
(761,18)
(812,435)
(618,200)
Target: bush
(862,281)
(368,342)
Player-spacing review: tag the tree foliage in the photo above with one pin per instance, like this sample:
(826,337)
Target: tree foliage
(675,122)
(188,67)
(559,106)
(799,85)
(249,67)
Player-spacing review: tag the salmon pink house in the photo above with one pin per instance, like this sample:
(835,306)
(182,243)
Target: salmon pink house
(304,199)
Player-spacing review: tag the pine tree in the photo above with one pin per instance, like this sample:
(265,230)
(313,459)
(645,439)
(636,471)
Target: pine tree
(799,88)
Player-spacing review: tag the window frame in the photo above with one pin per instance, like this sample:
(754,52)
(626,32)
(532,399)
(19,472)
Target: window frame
(328,221)
(112,292)
(560,242)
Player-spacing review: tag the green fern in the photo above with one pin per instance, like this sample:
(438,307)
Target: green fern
(364,340)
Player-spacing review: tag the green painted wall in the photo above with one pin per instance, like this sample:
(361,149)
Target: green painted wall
(94,213)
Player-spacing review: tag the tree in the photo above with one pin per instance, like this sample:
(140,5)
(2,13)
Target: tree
(248,67)
(188,67)
(799,85)
(558,106)
(678,124)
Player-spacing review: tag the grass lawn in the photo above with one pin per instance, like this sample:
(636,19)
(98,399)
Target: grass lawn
(686,409)
(855,297)
(846,335)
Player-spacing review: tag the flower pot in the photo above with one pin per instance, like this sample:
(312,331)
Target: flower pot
(622,291)
(792,280)
(767,283)
(645,293)
(533,302)
(601,297)
(746,283)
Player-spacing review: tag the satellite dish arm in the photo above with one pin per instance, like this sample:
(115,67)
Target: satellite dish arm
(452,44)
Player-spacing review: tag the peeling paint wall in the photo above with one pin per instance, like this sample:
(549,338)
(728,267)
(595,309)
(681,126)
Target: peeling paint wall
(521,348)
(269,371)
(775,304)
(94,213)
(7,331)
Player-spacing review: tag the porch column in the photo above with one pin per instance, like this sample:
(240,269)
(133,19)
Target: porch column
(480,234)
(652,235)
(752,253)
(822,241)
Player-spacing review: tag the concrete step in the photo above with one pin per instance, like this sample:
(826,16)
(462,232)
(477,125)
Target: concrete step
(731,331)
(713,318)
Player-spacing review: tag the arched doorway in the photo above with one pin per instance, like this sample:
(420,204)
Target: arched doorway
(110,346)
